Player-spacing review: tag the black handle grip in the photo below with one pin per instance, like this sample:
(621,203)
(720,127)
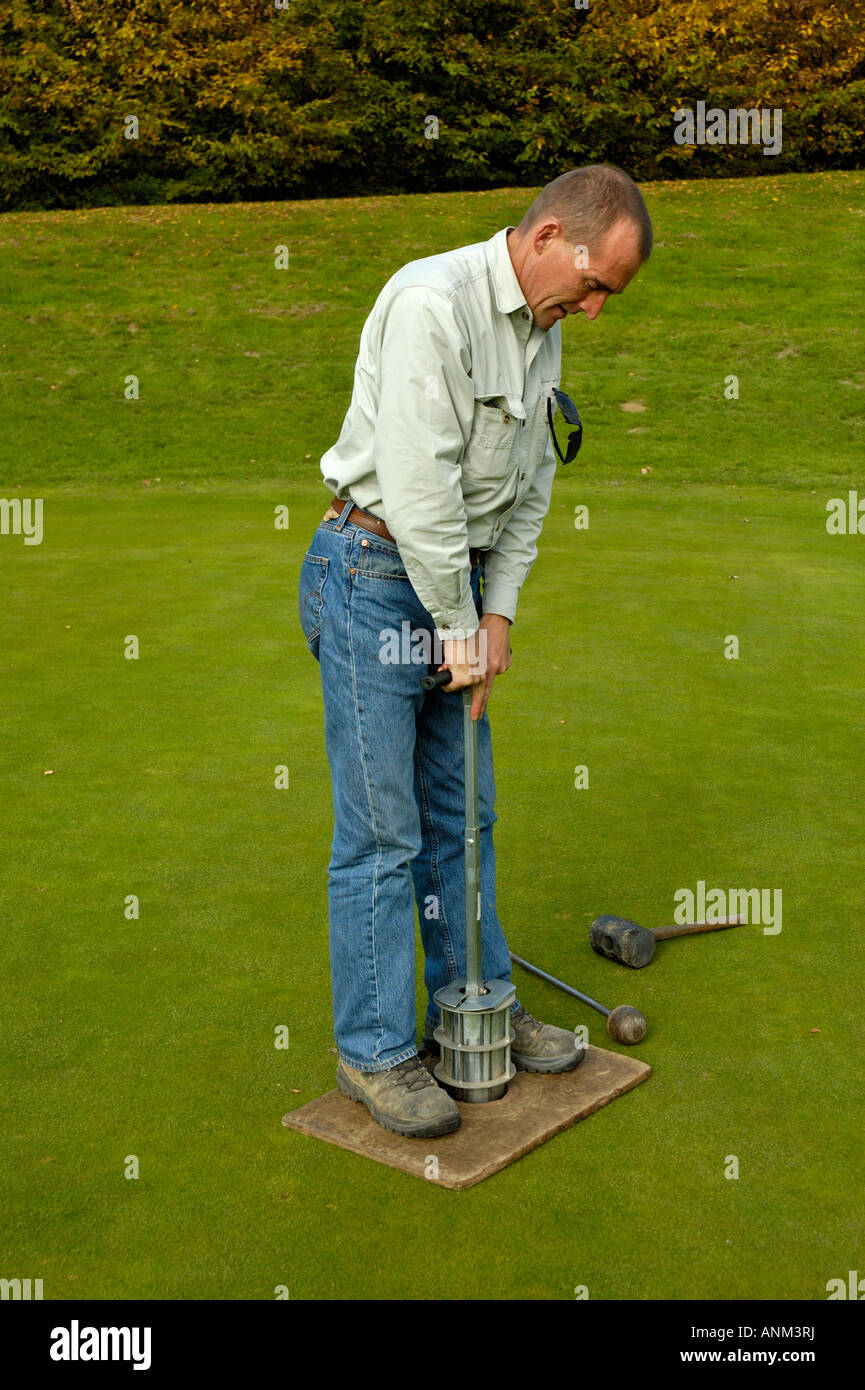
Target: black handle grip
(440,678)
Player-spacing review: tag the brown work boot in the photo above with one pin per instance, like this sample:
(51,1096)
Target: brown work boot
(404,1099)
(541,1046)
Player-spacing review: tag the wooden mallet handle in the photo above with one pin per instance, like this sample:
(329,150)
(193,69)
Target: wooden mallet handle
(694,928)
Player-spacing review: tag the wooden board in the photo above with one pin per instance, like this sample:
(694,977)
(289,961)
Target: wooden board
(491,1136)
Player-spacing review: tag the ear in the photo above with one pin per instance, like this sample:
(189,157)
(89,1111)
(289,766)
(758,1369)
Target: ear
(546,234)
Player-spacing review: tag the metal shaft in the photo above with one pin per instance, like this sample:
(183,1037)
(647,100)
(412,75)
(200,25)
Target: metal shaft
(551,979)
(474,977)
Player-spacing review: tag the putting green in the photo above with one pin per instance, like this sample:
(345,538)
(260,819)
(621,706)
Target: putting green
(155,1037)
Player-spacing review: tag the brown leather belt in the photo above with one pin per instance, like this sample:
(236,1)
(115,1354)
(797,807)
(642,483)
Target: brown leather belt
(368,522)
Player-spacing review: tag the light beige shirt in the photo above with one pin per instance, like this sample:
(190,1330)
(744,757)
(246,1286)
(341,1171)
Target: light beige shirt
(446,436)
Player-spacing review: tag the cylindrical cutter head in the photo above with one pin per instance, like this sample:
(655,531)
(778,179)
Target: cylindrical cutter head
(475,1038)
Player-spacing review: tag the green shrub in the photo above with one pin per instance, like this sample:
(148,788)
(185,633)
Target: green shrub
(244,101)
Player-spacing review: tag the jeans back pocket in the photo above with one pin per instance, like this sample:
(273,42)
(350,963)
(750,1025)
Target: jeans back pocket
(313,573)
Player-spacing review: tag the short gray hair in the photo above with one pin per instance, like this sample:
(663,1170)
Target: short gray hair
(588,202)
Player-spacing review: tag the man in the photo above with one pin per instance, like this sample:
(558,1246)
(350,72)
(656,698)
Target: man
(441,477)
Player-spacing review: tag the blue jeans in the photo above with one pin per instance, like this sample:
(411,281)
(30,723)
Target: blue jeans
(396,762)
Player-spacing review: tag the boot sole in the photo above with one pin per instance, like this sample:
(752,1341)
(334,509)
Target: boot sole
(424,1129)
(549,1065)
(546,1066)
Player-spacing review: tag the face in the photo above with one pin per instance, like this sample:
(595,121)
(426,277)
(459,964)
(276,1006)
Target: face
(555,285)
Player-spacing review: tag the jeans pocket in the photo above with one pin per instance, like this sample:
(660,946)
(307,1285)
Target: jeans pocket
(313,573)
(380,559)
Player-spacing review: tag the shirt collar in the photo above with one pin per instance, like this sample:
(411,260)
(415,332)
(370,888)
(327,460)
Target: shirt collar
(509,296)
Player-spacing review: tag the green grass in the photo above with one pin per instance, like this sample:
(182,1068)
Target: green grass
(154,1037)
(245,371)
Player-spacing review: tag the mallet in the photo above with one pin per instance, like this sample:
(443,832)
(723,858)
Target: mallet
(625,1024)
(633,945)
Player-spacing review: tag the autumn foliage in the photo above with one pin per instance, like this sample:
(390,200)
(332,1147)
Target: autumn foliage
(331,97)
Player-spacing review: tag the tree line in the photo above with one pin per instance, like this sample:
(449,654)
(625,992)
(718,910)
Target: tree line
(145,101)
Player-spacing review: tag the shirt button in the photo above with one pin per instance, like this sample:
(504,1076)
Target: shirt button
(507,419)
(364,542)
(525,314)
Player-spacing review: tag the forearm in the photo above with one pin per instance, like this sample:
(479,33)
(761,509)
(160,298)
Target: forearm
(509,561)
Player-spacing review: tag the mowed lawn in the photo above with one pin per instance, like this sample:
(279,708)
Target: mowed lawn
(153,1037)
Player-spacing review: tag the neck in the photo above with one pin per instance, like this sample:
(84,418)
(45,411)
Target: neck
(517,252)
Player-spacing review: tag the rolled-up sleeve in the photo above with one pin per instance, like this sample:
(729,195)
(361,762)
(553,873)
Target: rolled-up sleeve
(516,549)
(422,424)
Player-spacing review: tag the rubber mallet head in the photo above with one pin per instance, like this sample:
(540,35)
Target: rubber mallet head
(633,945)
(621,940)
(626,1025)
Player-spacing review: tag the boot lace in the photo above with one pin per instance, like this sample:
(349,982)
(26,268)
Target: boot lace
(527,1020)
(412,1074)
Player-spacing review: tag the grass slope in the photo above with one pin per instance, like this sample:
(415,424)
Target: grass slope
(245,371)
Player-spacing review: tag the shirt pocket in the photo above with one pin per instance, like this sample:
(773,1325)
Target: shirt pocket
(487,454)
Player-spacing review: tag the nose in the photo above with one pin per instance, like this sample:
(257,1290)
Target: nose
(593,303)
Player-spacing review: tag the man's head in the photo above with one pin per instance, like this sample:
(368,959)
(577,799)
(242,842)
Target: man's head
(585,236)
